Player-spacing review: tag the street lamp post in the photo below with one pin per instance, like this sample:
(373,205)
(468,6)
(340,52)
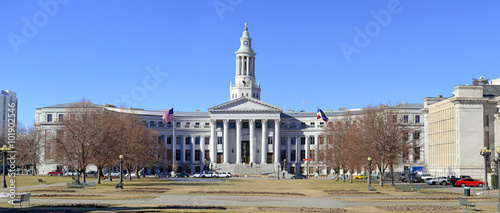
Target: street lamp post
(4,154)
(284,165)
(485,152)
(278,171)
(120,185)
(497,150)
(370,188)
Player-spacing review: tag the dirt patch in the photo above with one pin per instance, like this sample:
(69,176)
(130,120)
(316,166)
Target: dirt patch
(430,208)
(146,190)
(424,198)
(65,195)
(74,205)
(349,192)
(53,190)
(300,209)
(192,207)
(250,193)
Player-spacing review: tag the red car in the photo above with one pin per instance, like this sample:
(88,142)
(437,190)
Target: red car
(469,182)
(55,172)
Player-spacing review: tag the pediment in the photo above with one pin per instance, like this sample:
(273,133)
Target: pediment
(245,104)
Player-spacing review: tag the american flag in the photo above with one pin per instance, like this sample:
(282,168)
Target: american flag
(169,115)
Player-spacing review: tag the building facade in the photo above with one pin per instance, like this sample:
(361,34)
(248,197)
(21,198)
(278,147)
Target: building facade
(456,128)
(244,135)
(7,100)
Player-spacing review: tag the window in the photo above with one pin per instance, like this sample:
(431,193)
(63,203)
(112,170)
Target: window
(160,123)
(302,124)
(152,123)
(169,140)
(219,140)
(219,157)
(207,140)
(187,155)
(302,141)
(311,154)
(416,135)
(321,124)
(283,155)
(302,155)
(312,140)
(486,120)
(269,140)
(417,119)
(207,155)
(293,141)
(197,140)
(207,124)
(197,155)
(49,117)
(258,124)
(177,154)
(197,124)
(61,117)
(178,140)
(270,124)
(232,125)
(219,124)
(245,125)
(311,124)
(283,140)
(188,140)
(257,95)
(405,119)
(270,157)
(292,155)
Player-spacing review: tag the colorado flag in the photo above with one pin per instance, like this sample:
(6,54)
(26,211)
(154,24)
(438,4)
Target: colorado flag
(321,115)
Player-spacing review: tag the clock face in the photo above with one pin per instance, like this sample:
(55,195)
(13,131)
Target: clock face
(245,43)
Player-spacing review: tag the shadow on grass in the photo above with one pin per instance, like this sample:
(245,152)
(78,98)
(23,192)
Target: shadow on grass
(104,207)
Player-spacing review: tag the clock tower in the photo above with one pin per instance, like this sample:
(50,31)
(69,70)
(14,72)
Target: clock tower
(244,85)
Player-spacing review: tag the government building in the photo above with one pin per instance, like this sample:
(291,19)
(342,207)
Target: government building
(243,136)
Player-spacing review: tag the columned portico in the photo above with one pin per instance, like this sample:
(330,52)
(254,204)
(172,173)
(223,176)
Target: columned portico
(263,150)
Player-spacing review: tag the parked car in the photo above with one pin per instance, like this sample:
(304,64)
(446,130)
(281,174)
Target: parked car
(469,182)
(130,173)
(197,175)
(209,174)
(91,174)
(224,175)
(71,173)
(452,179)
(426,177)
(438,180)
(55,172)
(178,175)
(402,175)
(341,177)
(300,176)
(113,174)
(412,178)
(362,176)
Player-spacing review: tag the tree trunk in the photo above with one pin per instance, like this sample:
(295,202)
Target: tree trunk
(99,170)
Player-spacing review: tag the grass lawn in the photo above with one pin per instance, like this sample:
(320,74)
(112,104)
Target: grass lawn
(149,188)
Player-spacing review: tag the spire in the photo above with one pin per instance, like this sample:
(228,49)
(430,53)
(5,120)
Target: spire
(246,28)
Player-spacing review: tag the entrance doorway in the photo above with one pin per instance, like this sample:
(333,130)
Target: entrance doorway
(245,152)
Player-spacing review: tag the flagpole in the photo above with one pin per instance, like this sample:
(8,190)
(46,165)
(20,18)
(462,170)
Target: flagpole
(316,142)
(174,142)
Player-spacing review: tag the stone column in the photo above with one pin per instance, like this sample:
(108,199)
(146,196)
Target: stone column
(202,148)
(238,66)
(183,149)
(252,141)
(192,149)
(277,141)
(288,141)
(248,65)
(238,141)
(316,145)
(297,149)
(213,140)
(307,148)
(225,141)
(263,149)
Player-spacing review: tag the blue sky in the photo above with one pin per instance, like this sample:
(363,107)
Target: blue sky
(54,52)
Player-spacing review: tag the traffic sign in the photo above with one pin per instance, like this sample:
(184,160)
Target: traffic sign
(307,159)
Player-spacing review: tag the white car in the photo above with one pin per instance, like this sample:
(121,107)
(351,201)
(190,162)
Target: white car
(426,177)
(224,175)
(197,175)
(71,173)
(113,174)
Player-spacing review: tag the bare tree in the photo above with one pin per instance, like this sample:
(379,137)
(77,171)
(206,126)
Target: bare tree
(28,147)
(78,134)
(384,134)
